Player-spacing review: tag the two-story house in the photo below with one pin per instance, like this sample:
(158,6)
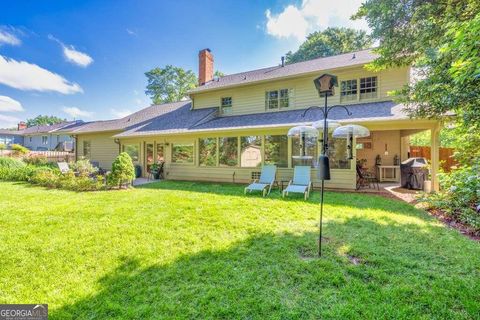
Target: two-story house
(234,124)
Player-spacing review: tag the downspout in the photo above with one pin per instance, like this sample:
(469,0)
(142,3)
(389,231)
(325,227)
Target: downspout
(117,141)
(75,143)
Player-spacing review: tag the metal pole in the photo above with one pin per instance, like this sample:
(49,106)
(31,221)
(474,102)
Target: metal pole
(324,152)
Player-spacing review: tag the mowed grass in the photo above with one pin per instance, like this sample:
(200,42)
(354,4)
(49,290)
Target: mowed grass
(195,250)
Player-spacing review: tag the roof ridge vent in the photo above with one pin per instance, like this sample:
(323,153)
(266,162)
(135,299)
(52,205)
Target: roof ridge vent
(245,77)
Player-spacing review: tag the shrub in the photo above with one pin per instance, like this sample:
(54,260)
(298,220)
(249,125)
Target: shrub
(460,195)
(83,167)
(39,161)
(3,146)
(19,150)
(123,171)
(46,177)
(11,163)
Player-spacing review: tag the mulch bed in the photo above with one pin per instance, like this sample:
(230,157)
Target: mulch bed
(455,224)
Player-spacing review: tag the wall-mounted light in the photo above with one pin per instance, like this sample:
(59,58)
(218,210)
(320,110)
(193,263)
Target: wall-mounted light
(386,149)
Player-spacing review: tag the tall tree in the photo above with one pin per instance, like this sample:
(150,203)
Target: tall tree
(330,42)
(44,120)
(169,84)
(440,39)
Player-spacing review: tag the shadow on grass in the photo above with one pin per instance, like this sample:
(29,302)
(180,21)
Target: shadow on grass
(400,272)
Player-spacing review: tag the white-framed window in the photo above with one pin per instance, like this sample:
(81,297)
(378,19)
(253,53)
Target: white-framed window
(226,105)
(348,90)
(277,99)
(368,88)
(44,139)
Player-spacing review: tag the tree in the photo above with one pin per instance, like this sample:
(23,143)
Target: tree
(440,39)
(330,42)
(169,84)
(44,120)
(218,73)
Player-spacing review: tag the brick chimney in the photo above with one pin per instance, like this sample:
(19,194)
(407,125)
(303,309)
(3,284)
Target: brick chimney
(21,126)
(205,66)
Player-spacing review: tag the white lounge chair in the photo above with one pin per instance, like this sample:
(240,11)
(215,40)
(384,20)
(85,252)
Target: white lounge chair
(63,166)
(265,183)
(301,182)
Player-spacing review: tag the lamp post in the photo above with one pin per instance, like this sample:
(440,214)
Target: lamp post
(325,86)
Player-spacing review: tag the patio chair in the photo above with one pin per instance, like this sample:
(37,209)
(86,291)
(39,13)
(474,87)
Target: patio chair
(366,178)
(301,182)
(265,183)
(63,166)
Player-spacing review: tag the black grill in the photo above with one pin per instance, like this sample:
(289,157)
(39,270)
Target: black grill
(413,173)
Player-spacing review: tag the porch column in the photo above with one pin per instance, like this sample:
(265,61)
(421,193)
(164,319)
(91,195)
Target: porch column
(435,155)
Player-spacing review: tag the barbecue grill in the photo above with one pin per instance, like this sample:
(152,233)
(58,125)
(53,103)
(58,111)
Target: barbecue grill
(413,173)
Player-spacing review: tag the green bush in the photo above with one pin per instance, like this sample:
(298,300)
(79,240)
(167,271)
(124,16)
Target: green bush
(460,195)
(39,161)
(83,167)
(3,146)
(69,181)
(19,150)
(123,171)
(11,163)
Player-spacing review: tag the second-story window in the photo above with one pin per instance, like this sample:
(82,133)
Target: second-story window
(226,105)
(368,88)
(44,139)
(277,99)
(348,90)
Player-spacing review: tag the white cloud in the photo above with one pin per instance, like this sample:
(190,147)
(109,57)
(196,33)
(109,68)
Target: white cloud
(27,76)
(120,113)
(8,104)
(131,32)
(75,112)
(312,15)
(8,121)
(9,38)
(72,55)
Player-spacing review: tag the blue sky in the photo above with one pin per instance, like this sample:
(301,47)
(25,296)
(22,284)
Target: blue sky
(86,59)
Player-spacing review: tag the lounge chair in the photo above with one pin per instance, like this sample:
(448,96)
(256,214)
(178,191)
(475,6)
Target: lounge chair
(265,183)
(63,166)
(301,182)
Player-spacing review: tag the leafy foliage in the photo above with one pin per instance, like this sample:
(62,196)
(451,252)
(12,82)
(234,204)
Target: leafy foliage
(41,120)
(3,146)
(19,150)
(83,167)
(460,195)
(123,171)
(330,42)
(169,84)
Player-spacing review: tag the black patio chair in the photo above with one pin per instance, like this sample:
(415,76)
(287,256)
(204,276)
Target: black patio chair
(366,178)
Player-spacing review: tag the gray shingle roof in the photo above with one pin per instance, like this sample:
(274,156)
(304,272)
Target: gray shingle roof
(305,67)
(135,119)
(10,132)
(50,128)
(184,120)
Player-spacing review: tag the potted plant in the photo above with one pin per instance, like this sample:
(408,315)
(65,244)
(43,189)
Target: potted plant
(155,170)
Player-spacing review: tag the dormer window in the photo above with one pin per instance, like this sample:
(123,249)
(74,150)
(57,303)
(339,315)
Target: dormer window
(277,99)
(368,88)
(348,90)
(226,105)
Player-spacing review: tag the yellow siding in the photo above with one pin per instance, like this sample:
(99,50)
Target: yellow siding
(341,178)
(251,98)
(379,139)
(103,149)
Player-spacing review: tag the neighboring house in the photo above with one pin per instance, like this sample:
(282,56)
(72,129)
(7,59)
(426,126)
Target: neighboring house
(9,137)
(44,138)
(234,124)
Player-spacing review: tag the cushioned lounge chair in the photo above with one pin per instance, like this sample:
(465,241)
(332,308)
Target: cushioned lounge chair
(301,182)
(265,183)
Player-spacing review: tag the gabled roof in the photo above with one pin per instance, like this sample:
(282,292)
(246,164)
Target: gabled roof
(49,128)
(10,132)
(184,120)
(339,61)
(145,117)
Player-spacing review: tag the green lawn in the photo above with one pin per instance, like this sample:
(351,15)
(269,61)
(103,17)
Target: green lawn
(191,250)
